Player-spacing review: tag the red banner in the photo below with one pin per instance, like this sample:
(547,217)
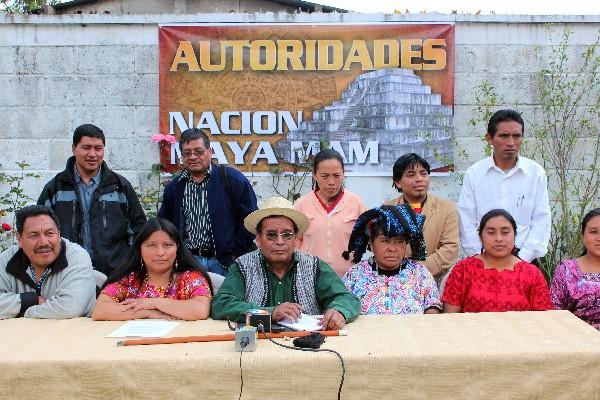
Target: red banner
(270,96)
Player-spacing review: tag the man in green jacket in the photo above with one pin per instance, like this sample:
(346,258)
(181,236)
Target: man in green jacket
(278,278)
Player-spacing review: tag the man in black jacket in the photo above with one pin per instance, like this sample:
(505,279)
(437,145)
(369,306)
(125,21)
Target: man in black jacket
(97,207)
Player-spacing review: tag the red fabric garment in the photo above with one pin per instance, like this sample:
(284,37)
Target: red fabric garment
(330,208)
(477,289)
(417,207)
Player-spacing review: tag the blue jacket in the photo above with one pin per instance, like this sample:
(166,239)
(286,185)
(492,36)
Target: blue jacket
(226,214)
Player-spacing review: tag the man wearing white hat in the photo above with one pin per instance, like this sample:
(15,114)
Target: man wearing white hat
(281,279)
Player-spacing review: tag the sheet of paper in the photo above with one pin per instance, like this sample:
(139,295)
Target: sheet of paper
(145,328)
(305,323)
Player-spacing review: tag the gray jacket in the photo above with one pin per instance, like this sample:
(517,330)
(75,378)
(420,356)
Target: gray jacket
(69,290)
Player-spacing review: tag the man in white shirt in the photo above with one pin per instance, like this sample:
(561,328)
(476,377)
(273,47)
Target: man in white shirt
(508,181)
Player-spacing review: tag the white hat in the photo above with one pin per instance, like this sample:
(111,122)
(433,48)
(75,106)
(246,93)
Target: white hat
(276,206)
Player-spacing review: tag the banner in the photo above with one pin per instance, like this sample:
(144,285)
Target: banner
(270,96)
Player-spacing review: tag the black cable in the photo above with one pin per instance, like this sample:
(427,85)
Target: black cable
(262,329)
(243,343)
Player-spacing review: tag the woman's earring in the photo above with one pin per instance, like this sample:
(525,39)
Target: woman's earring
(142,265)
(176,264)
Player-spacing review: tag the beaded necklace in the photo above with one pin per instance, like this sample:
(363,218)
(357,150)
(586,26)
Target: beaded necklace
(38,285)
(163,292)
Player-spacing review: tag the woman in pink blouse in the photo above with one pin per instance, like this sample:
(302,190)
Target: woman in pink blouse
(160,280)
(332,211)
(576,282)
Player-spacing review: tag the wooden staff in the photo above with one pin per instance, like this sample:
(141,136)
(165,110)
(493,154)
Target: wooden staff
(226,337)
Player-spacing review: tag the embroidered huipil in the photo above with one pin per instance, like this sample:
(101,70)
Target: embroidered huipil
(186,285)
(478,289)
(577,291)
(412,290)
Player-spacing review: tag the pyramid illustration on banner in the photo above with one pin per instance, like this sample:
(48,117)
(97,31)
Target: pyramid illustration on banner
(389,111)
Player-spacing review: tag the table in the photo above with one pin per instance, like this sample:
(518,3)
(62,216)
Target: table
(489,355)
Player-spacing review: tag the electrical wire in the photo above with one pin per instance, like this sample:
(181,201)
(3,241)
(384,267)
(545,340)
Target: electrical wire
(262,329)
(243,343)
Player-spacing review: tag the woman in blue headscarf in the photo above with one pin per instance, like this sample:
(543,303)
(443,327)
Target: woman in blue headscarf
(388,282)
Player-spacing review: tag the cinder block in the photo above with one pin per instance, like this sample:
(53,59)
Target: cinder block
(8,60)
(69,91)
(8,122)
(468,152)
(145,90)
(513,89)
(115,121)
(467,59)
(146,121)
(33,152)
(44,60)
(131,154)
(21,90)
(146,59)
(104,60)
(60,151)
(81,91)
(130,175)
(42,122)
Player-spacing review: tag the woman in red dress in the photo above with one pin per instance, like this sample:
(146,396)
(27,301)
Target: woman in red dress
(496,280)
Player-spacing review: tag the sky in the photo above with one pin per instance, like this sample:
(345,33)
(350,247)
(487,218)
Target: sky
(542,7)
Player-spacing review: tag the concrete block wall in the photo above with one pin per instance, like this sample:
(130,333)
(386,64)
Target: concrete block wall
(57,72)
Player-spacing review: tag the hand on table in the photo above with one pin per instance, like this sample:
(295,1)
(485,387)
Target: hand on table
(286,311)
(152,314)
(333,320)
(139,304)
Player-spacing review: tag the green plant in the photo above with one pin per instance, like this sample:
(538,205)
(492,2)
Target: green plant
(24,6)
(295,181)
(568,143)
(487,100)
(296,178)
(151,196)
(13,199)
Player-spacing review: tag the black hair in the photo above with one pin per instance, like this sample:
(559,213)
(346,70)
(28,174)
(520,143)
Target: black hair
(184,260)
(407,161)
(391,221)
(323,155)
(378,227)
(33,211)
(193,134)
(503,116)
(497,212)
(590,214)
(88,130)
(259,226)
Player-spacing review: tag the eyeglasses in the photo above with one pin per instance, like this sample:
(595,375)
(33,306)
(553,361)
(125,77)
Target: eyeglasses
(272,236)
(197,153)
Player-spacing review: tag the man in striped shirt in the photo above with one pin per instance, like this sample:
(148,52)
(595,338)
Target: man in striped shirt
(208,204)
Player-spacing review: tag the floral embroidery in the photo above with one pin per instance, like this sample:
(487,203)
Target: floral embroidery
(185,286)
(412,291)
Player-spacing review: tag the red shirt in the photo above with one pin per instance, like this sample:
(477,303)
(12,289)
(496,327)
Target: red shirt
(477,289)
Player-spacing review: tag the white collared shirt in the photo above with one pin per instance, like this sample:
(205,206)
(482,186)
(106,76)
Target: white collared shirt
(522,191)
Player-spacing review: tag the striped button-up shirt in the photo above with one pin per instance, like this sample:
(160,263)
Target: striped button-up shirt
(86,192)
(198,231)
